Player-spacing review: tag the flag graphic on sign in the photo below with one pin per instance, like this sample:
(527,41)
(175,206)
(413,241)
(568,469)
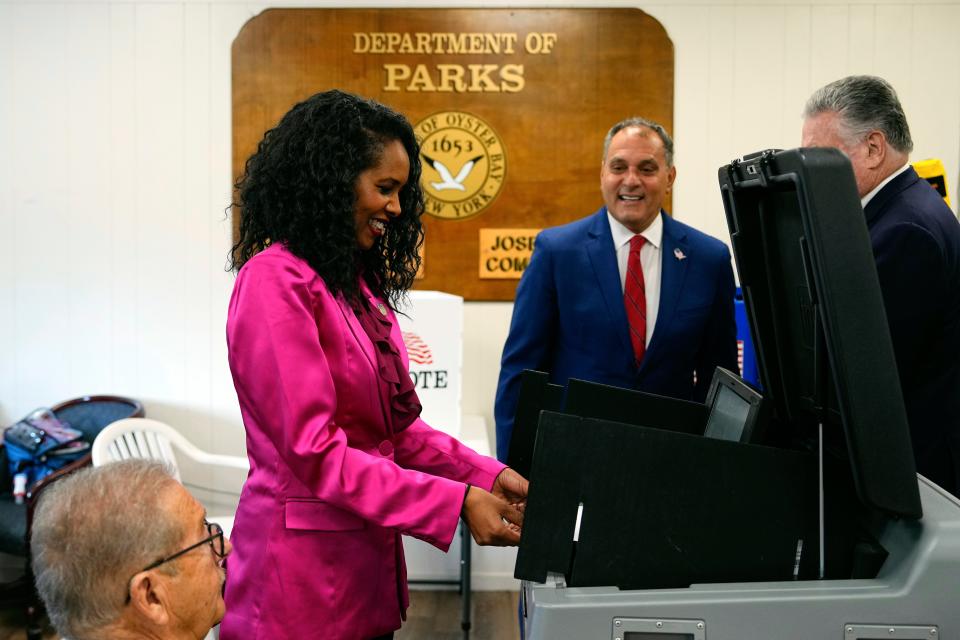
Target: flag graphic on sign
(417,349)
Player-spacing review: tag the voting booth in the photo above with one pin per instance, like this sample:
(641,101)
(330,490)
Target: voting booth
(794,512)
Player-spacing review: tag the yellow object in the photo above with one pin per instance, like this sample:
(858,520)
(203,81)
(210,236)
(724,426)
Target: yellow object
(932,171)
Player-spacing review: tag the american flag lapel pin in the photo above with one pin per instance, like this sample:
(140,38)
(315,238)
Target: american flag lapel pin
(679,255)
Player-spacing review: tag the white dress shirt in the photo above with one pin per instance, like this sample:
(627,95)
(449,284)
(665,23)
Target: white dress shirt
(649,261)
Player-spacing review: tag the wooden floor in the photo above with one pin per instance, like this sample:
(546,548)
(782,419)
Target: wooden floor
(433,615)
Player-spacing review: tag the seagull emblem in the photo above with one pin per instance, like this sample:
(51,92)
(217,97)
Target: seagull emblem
(450,182)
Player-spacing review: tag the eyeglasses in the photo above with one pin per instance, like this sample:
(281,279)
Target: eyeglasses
(215,540)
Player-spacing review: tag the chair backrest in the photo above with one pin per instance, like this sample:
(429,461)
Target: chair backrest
(139,438)
(90,414)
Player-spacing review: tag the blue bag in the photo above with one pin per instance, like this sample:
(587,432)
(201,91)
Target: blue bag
(40,444)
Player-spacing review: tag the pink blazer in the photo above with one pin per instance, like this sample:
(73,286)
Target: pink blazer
(317,550)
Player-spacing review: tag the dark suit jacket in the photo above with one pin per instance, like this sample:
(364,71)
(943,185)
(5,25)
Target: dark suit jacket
(569,318)
(916,242)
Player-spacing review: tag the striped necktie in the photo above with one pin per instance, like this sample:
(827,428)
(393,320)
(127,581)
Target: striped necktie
(635,299)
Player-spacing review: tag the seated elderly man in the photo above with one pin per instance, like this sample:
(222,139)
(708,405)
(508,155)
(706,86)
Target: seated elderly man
(124,551)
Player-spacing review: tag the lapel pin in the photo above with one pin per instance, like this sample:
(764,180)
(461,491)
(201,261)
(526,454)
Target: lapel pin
(381,308)
(679,255)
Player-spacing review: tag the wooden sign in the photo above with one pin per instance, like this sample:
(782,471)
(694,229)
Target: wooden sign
(510,107)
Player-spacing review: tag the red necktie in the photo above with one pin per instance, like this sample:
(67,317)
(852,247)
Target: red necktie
(635,299)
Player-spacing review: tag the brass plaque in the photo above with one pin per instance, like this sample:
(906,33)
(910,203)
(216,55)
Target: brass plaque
(505,253)
(510,105)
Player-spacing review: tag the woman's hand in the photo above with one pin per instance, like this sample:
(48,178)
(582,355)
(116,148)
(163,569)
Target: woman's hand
(511,487)
(491,519)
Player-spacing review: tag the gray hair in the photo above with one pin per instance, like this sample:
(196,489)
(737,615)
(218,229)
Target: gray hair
(864,104)
(640,122)
(92,532)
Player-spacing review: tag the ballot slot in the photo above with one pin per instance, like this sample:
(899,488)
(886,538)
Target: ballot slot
(576,538)
(576,526)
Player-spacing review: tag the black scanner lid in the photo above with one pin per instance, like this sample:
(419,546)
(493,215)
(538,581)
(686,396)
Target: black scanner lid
(804,258)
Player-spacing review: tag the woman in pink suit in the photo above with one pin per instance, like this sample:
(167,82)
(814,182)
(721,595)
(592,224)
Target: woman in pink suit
(340,462)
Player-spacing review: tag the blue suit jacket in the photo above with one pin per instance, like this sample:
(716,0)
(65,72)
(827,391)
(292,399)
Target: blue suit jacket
(916,243)
(569,318)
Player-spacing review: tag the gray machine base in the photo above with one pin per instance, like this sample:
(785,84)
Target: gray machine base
(916,596)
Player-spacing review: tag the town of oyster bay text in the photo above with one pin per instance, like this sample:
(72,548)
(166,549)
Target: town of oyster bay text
(453,77)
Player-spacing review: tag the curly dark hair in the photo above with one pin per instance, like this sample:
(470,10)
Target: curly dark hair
(299,189)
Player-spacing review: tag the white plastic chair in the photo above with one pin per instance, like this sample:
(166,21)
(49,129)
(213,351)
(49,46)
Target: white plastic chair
(155,440)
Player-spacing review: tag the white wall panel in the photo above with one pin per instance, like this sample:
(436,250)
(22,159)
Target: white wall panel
(121,104)
(758,79)
(485,326)
(160,207)
(8,219)
(686,28)
(723,109)
(893,34)
(861,39)
(87,287)
(796,73)
(198,221)
(41,245)
(829,43)
(225,23)
(933,102)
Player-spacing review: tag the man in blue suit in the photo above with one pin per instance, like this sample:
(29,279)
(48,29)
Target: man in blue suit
(570,317)
(916,244)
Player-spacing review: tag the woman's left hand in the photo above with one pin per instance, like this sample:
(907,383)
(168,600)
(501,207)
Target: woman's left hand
(491,520)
